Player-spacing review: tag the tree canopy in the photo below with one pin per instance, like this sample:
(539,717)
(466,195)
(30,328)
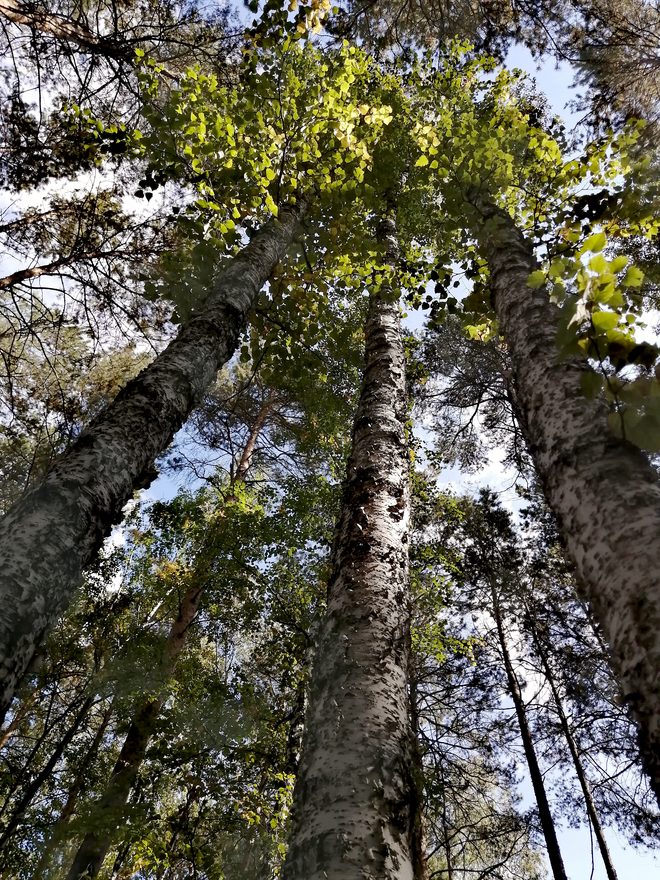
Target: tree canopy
(267,289)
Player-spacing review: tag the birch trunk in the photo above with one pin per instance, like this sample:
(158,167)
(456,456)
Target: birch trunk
(603,491)
(54,530)
(545,815)
(108,812)
(354,802)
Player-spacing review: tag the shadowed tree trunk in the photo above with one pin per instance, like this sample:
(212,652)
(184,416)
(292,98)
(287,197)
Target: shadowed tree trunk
(354,812)
(76,788)
(592,812)
(108,816)
(65,29)
(547,822)
(603,491)
(45,773)
(54,530)
(19,715)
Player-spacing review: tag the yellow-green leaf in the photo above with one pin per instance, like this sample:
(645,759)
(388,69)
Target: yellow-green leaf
(536,279)
(604,320)
(594,243)
(633,277)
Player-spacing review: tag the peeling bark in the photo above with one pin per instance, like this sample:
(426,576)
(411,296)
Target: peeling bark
(54,530)
(354,803)
(603,491)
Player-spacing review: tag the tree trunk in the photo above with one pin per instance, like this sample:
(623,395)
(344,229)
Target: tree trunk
(75,790)
(19,716)
(45,773)
(547,823)
(96,843)
(55,529)
(29,218)
(592,812)
(108,811)
(65,29)
(603,491)
(52,268)
(354,812)
(447,840)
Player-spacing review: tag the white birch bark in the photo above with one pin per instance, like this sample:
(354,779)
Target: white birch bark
(354,801)
(603,490)
(54,530)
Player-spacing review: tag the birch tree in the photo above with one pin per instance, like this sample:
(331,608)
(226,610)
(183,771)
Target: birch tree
(579,440)
(353,804)
(611,46)
(602,489)
(95,845)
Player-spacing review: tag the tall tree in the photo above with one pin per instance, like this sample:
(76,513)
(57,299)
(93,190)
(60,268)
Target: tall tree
(493,560)
(97,842)
(72,511)
(352,803)
(603,490)
(612,46)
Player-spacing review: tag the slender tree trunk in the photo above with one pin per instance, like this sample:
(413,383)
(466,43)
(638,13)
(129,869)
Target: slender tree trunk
(26,219)
(52,268)
(604,492)
(45,773)
(19,716)
(48,723)
(75,790)
(447,840)
(592,812)
(354,811)
(245,459)
(420,866)
(108,811)
(547,823)
(295,731)
(55,529)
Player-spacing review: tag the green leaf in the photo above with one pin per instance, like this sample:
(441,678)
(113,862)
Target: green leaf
(591,383)
(604,320)
(536,279)
(618,263)
(422,161)
(633,277)
(598,263)
(594,243)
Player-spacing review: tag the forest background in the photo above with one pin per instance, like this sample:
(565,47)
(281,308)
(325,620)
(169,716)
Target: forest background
(278,434)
